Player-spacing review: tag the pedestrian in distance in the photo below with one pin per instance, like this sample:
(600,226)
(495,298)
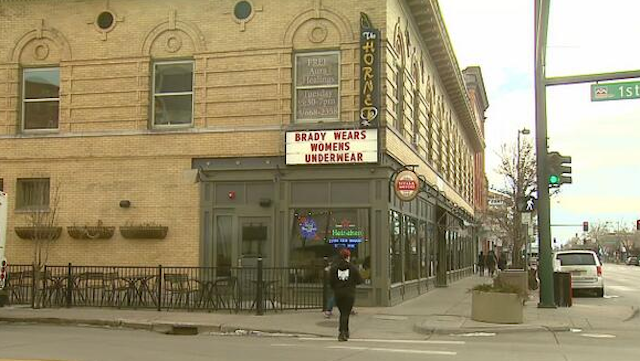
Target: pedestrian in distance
(481,264)
(502,262)
(331,301)
(491,262)
(344,277)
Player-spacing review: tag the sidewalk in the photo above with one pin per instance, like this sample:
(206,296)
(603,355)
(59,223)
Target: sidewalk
(441,311)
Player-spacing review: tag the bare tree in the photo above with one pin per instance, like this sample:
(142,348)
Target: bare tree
(518,169)
(42,219)
(597,231)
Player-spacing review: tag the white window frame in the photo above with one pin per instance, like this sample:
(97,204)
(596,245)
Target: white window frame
(24,100)
(153,94)
(302,87)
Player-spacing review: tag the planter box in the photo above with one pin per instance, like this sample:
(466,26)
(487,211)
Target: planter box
(91,232)
(144,232)
(496,307)
(39,232)
(514,277)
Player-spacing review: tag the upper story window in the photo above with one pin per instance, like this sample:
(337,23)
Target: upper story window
(172,93)
(317,87)
(399,106)
(32,194)
(416,116)
(40,98)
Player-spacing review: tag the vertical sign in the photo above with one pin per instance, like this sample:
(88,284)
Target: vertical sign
(369,73)
(4,209)
(317,87)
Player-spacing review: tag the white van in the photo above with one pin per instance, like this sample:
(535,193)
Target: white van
(585,269)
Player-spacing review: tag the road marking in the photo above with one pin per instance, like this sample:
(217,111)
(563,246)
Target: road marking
(475,334)
(597,335)
(621,288)
(610,296)
(418,342)
(395,350)
(391,317)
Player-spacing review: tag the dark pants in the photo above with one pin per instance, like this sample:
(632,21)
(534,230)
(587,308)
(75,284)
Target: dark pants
(345,304)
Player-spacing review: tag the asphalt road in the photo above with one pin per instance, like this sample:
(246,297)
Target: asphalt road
(44,342)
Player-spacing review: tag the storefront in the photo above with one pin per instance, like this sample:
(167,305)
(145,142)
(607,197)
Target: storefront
(298,215)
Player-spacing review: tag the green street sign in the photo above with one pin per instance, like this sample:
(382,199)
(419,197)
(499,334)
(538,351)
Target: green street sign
(615,91)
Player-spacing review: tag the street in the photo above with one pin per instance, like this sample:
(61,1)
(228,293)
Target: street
(47,342)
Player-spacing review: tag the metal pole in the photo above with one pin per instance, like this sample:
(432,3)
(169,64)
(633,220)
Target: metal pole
(544,213)
(260,287)
(518,215)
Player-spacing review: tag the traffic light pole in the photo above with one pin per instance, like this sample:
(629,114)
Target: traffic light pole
(545,270)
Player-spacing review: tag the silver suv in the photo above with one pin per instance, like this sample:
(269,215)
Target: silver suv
(585,269)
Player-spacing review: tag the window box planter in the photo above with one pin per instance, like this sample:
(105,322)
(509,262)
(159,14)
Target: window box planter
(31,232)
(496,306)
(144,232)
(91,232)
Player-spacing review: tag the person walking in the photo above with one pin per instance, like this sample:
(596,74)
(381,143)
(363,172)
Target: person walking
(481,263)
(502,262)
(344,277)
(491,262)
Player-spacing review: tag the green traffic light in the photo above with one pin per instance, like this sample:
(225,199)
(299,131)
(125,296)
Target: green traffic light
(554,179)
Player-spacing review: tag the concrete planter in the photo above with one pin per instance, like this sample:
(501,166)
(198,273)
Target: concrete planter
(496,307)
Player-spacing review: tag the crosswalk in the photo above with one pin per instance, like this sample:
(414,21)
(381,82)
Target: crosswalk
(415,347)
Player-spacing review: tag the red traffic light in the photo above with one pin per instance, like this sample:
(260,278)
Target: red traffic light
(585,226)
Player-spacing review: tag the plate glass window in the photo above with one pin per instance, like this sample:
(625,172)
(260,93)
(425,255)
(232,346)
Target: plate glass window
(319,233)
(32,194)
(173,93)
(40,98)
(317,87)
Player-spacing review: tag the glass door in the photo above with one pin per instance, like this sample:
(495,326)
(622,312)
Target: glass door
(224,237)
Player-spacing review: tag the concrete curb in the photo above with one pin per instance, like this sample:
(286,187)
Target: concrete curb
(164,327)
(492,329)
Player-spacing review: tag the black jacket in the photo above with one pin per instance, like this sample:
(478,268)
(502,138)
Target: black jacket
(343,278)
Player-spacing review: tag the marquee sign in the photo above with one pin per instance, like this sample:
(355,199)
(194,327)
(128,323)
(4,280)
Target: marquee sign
(369,73)
(342,146)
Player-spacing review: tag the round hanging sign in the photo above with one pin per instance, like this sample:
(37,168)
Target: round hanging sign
(407,185)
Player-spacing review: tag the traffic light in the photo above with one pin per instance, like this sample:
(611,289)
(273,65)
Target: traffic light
(638,225)
(585,226)
(559,167)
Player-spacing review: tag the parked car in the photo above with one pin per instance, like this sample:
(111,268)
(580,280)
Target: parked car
(585,269)
(633,261)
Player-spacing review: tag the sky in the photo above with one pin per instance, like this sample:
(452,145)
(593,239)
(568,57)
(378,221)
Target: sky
(603,138)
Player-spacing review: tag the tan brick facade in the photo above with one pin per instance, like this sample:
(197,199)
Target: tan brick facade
(105,149)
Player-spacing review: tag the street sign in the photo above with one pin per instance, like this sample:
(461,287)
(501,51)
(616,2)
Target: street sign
(526,204)
(615,91)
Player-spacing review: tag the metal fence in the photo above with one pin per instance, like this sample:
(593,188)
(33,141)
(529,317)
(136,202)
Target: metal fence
(257,289)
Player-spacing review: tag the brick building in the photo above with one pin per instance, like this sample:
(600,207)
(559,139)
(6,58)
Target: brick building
(248,128)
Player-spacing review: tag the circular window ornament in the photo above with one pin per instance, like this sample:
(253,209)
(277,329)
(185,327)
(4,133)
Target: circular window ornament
(105,20)
(406,185)
(243,11)
(41,51)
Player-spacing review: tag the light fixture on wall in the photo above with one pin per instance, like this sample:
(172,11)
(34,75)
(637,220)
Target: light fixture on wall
(265,202)
(125,204)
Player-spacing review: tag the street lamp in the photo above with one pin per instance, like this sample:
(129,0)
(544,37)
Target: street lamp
(518,228)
